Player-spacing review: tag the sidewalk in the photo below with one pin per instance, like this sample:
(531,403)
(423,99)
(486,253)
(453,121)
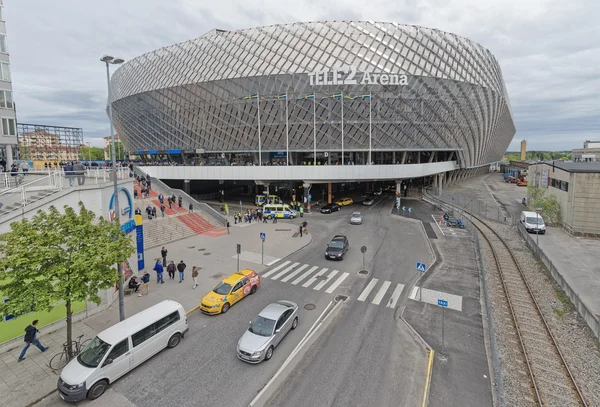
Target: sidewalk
(23,383)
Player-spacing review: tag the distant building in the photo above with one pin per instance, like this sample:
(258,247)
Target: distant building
(107,146)
(8,128)
(39,143)
(576,186)
(589,153)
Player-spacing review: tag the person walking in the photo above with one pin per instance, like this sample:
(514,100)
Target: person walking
(79,171)
(31,337)
(154,211)
(191,208)
(195,276)
(181,268)
(145,284)
(180,202)
(300,229)
(171,270)
(227,227)
(163,254)
(162,210)
(159,272)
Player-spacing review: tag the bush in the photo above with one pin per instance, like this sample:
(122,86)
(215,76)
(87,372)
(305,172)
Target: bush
(550,206)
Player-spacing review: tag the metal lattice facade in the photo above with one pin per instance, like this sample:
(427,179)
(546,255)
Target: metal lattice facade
(211,92)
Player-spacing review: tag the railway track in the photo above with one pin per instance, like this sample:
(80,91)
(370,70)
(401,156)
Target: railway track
(551,382)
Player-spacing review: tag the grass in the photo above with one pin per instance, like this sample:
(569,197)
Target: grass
(16,326)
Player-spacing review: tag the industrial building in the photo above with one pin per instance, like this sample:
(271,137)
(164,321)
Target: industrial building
(589,153)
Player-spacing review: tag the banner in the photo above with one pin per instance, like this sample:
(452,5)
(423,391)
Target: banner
(140,241)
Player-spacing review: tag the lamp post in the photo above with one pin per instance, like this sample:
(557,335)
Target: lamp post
(89,153)
(109,59)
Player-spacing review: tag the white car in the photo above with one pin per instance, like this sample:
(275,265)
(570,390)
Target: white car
(356,219)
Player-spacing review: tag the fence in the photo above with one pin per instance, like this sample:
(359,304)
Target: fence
(461,204)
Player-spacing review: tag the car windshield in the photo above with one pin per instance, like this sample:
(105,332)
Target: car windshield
(338,244)
(262,326)
(222,288)
(356,215)
(93,353)
(535,220)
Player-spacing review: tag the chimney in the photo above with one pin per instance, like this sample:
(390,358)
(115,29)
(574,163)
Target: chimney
(523,150)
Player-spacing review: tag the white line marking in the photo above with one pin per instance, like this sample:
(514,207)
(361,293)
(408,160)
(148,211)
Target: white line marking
(272,271)
(303,276)
(395,296)
(294,273)
(381,292)
(438,225)
(327,280)
(367,289)
(273,262)
(314,278)
(413,293)
(337,283)
(281,273)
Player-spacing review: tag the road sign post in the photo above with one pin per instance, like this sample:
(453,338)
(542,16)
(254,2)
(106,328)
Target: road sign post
(443,304)
(239,250)
(241,207)
(403,210)
(409,212)
(537,226)
(363,251)
(421,268)
(263,236)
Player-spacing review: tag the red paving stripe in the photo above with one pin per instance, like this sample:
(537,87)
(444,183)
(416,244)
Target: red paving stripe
(216,232)
(201,221)
(167,210)
(191,224)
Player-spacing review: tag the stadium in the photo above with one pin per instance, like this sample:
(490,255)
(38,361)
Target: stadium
(327,92)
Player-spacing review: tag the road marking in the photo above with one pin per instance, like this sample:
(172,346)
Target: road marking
(272,271)
(337,283)
(367,289)
(381,293)
(327,280)
(257,258)
(273,262)
(395,296)
(303,276)
(275,277)
(294,273)
(413,293)
(314,278)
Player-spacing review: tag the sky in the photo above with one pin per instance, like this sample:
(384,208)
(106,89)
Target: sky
(548,51)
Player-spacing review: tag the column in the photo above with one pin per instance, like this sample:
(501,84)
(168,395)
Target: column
(306,202)
(393,157)
(186,186)
(329,192)
(398,203)
(9,157)
(440,178)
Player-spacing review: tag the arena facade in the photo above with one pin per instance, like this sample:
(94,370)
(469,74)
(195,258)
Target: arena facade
(329,91)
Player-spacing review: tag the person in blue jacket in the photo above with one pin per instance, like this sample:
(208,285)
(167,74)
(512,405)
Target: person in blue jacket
(158,267)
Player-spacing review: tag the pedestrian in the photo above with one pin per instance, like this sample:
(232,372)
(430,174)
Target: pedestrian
(31,337)
(163,254)
(181,268)
(235,217)
(161,198)
(180,202)
(154,211)
(171,270)
(227,227)
(145,284)
(195,276)
(79,172)
(159,272)
(300,230)
(274,218)
(191,208)
(170,203)
(162,210)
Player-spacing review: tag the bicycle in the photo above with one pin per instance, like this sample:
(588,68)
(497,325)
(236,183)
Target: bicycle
(60,360)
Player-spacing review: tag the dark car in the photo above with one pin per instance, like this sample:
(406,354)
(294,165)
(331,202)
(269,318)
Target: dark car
(329,208)
(337,248)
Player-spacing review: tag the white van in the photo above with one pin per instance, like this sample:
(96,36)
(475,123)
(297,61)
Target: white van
(120,348)
(533,222)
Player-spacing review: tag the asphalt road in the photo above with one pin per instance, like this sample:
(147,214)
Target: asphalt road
(368,357)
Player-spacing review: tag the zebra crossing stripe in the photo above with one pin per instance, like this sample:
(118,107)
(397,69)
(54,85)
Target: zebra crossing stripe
(327,280)
(303,276)
(314,278)
(337,283)
(381,293)
(367,290)
(292,274)
(274,270)
(276,276)
(395,296)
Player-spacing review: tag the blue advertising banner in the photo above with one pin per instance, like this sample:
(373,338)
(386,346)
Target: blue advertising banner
(140,241)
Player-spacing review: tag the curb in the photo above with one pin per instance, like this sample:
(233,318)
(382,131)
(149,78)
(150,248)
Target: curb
(428,378)
(40,399)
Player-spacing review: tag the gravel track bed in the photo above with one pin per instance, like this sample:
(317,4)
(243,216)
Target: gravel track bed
(574,338)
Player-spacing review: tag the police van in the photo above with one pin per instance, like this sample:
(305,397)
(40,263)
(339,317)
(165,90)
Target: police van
(280,211)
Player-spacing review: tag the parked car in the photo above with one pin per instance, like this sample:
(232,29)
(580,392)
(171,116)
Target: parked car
(378,192)
(356,219)
(369,201)
(345,201)
(267,330)
(533,222)
(329,208)
(337,248)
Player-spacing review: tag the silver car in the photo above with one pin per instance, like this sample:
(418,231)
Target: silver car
(266,331)
(356,218)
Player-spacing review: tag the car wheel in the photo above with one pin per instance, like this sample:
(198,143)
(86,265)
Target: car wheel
(269,353)
(253,290)
(97,390)
(295,323)
(225,307)
(174,341)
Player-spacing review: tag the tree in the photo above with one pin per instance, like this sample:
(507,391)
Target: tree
(57,257)
(550,206)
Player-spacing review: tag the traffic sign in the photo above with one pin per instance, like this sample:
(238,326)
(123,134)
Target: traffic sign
(263,236)
(539,209)
(410,210)
(240,201)
(421,267)
(310,197)
(404,208)
(239,249)
(363,249)
(442,303)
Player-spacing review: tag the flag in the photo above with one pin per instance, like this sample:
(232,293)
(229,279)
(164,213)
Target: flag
(283,96)
(306,97)
(249,97)
(363,96)
(337,95)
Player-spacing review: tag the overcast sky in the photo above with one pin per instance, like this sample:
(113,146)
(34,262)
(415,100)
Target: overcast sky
(548,50)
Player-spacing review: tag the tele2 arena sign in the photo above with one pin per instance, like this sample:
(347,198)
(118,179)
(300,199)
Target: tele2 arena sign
(346,75)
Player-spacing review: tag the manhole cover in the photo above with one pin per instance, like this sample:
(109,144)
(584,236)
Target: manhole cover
(191,247)
(310,307)
(363,273)
(218,275)
(341,297)
(206,254)
(201,250)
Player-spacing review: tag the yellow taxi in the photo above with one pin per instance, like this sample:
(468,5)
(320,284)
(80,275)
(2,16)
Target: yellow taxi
(229,291)
(345,201)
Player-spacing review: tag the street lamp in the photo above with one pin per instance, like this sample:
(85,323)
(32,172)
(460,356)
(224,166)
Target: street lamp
(89,153)
(109,59)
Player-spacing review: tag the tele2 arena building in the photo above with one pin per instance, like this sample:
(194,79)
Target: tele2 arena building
(415,100)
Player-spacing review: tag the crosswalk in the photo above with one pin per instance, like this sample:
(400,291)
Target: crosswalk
(381,292)
(307,276)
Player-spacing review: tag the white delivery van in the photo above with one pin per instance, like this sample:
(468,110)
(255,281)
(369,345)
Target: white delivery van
(120,348)
(533,222)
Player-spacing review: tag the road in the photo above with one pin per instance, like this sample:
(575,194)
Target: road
(368,357)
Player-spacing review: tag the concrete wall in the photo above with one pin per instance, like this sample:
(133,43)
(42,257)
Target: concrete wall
(585,211)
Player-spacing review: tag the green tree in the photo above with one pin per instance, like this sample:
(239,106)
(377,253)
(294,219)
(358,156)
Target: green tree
(550,206)
(59,257)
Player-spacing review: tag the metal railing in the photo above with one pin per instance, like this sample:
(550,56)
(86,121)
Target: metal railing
(461,204)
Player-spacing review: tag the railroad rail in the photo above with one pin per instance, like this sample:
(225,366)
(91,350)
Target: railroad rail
(551,380)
